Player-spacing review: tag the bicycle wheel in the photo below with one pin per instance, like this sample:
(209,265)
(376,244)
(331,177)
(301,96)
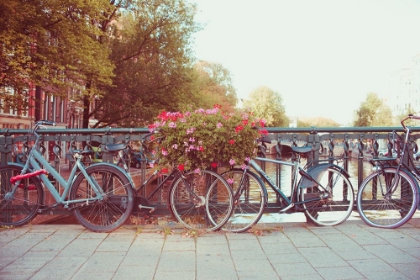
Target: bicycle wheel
(109,213)
(331,202)
(383,204)
(248,199)
(201,200)
(21,207)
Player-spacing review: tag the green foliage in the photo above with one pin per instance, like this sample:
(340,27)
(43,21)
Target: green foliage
(205,138)
(151,49)
(53,44)
(213,86)
(373,112)
(317,122)
(267,104)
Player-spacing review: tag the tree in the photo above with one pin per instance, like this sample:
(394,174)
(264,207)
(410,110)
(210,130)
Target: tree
(213,86)
(266,103)
(151,49)
(52,44)
(317,122)
(373,112)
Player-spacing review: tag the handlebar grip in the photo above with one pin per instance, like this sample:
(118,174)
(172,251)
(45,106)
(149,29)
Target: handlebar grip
(414,117)
(45,122)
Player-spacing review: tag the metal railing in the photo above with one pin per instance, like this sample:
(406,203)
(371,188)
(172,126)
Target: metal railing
(359,143)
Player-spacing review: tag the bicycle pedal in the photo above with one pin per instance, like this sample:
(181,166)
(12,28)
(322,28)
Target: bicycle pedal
(325,195)
(152,209)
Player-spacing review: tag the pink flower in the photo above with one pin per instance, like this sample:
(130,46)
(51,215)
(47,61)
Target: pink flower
(230,181)
(190,130)
(164,152)
(197,170)
(172,125)
(175,146)
(219,125)
(232,162)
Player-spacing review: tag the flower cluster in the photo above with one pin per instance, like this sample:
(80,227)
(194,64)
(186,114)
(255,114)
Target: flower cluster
(206,138)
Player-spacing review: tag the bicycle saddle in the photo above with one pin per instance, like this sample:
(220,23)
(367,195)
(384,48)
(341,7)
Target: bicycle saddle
(115,147)
(302,150)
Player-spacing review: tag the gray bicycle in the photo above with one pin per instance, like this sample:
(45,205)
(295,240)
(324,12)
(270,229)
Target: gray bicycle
(322,190)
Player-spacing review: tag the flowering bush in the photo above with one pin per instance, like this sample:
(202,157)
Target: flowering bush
(205,138)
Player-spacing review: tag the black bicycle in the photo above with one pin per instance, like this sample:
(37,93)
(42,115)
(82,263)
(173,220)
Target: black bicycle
(199,199)
(388,197)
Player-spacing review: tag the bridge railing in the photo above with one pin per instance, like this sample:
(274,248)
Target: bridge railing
(353,143)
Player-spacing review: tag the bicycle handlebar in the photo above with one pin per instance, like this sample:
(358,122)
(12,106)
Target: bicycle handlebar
(410,116)
(44,122)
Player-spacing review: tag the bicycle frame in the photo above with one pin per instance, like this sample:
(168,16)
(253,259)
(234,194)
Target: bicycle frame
(36,160)
(311,176)
(295,167)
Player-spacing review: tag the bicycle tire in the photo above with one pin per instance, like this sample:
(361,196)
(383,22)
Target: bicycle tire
(382,211)
(110,213)
(23,207)
(249,200)
(208,208)
(328,210)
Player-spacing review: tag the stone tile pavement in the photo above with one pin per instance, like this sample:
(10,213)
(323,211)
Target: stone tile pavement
(351,250)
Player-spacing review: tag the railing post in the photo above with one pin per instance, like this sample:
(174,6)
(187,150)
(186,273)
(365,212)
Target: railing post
(360,146)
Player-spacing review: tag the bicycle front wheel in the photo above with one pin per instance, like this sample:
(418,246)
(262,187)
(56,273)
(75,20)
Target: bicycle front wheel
(110,212)
(20,207)
(331,202)
(248,199)
(387,198)
(201,200)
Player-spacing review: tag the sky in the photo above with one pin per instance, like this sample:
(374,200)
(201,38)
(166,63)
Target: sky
(322,56)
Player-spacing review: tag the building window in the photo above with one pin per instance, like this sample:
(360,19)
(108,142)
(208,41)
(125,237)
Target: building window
(14,104)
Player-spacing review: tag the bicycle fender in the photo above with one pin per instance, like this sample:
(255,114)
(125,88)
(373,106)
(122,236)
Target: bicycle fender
(317,171)
(113,165)
(408,172)
(14,164)
(258,178)
(417,184)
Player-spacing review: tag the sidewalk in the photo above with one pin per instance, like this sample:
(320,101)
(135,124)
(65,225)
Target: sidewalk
(285,251)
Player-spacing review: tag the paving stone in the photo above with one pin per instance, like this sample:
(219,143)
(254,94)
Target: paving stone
(346,251)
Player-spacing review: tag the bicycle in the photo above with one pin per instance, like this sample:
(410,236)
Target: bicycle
(388,197)
(323,192)
(100,195)
(196,199)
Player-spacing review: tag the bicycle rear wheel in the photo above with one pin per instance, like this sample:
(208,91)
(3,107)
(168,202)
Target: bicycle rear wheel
(201,200)
(383,204)
(114,209)
(248,199)
(21,207)
(330,204)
